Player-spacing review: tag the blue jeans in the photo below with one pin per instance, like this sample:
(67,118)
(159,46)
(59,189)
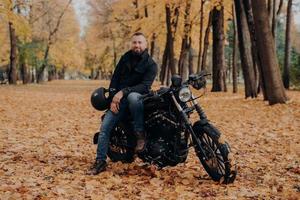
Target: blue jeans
(111,119)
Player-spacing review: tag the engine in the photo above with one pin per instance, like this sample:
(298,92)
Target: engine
(167,144)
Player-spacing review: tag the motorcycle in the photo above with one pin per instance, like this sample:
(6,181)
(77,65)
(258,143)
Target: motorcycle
(170,133)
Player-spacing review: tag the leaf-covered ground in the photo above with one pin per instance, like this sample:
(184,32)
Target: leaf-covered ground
(46,147)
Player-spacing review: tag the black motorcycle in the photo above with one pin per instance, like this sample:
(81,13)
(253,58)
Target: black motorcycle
(170,132)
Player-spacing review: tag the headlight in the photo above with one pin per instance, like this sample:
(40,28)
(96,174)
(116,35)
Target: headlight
(185,94)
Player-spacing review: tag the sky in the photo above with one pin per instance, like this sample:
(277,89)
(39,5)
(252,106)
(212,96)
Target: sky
(297,19)
(82,11)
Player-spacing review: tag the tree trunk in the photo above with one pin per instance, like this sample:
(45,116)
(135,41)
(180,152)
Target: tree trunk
(185,40)
(40,73)
(279,7)
(256,59)
(171,64)
(114,52)
(29,75)
(274,21)
(137,12)
(33,74)
(61,74)
(168,62)
(248,66)
(270,7)
(146,11)
(200,37)
(51,73)
(206,41)
(164,64)
(286,68)
(152,45)
(191,60)
(24,72)
(266,49)
(22,58)
(234,56)
(92,73)
(218,50)
(12,73)
(23,66)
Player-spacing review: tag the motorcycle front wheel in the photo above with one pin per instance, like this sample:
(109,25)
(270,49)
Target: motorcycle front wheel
(214,153)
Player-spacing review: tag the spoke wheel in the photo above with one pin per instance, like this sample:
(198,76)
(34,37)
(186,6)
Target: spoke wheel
(215,157)
(215,160)
(120,148)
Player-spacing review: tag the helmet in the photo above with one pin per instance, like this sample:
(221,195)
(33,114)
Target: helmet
(98,99)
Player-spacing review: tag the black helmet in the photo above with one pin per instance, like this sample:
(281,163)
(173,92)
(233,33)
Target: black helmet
(98,99)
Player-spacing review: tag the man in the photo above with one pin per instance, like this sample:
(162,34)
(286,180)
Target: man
(133,76)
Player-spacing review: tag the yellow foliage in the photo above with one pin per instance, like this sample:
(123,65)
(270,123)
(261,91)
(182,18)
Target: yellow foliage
(4,44)
(123,18)
(19,22)
(65,46)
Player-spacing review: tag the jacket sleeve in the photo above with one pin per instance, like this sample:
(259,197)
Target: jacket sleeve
(115,78)
(145,84)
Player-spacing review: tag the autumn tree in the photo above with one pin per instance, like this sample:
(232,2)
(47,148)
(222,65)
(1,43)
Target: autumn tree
(200,35)
(206,42)
(17,26)
(12,73)
(266,49)
(234,52)
(286,69)
(186,43)
(218,49)
(49,42)
(246,52)
(168,63)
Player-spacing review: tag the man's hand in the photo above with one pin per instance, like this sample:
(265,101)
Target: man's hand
(114,106)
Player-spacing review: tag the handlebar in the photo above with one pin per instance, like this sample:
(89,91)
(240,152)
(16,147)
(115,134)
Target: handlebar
(154,94)
(197,80)
(195,77)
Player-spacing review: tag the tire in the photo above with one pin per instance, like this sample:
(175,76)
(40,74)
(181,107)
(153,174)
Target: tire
(121,147)
(217,164)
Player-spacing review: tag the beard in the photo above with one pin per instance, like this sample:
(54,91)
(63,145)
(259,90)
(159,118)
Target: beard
(137,52)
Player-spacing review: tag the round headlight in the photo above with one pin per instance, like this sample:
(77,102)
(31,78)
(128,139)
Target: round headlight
(185,94)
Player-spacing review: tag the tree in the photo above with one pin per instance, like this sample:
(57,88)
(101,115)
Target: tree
(200,35)
(286,69)
(168,63)
(12,73)
(206,41)
(234,53)
(16,26)
(218,49)
(186,42)
(53,27)
(266,49)
(246,53)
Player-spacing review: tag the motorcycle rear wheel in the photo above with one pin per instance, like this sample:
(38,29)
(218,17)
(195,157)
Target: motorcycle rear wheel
(121,147)
(216,162)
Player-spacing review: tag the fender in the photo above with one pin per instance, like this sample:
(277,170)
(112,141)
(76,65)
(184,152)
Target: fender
(203,125)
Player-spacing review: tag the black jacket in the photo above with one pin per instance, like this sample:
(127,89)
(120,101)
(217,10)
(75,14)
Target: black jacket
(133,73)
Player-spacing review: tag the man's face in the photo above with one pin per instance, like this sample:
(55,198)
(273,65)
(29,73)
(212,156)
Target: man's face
(138,43)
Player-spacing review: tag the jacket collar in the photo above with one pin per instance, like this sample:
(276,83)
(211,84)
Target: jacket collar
(142,64)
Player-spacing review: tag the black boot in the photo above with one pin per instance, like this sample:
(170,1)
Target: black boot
(140,143)
(98,166)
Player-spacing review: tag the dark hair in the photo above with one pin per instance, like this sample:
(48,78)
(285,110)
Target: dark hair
(138,34)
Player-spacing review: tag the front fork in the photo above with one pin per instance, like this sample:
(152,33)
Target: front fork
(188,124)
